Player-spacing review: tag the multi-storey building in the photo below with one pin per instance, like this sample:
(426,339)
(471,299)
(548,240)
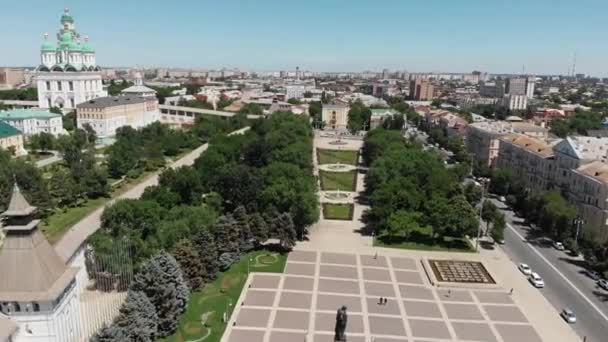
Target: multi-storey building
(483,137)
(37,289)
(11,138)
(589,191)
(515,102)
(494,89)
(106,114)
(530,160)
(11,77)
(33,121)
(515,85)
(68,73)
(575,151)
(421,89)
(335,116)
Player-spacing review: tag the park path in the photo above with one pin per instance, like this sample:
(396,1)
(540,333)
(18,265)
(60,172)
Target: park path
(78,233)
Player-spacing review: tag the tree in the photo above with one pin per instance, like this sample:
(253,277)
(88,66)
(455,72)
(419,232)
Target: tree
(488,213)
(161,280)
(69,121)
(284,230)
(500,182)
(204,243)
(358,116)
(402,222)
(190,262)
(462,219)
(137,318)
(294,101)
(227,235)
(122,158)
(242,219)
(185,182)
(259,228)
(110,333)
(64,189)
(498,227)
(473,193)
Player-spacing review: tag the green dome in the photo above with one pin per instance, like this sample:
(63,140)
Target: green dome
(66,18)
(66,37)
(73,46)
(86,47)
(47,46)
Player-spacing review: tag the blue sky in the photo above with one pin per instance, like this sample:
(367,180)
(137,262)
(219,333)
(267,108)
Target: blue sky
(323,35)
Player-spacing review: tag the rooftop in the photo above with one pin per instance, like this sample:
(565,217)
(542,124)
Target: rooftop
(505,127)
(596,169)
(7,130)
(20,114)
(587,148)
(384,111)
(334,106)
(530,144)
(110,101)
(138,89)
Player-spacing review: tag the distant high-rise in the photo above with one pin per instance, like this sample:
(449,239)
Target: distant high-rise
(421,90)
(516,86)
(530,83)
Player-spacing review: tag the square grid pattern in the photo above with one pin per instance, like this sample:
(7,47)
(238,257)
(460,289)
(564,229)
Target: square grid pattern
(301,304)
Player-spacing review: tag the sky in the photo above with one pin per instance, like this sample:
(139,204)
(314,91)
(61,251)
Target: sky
(496,36)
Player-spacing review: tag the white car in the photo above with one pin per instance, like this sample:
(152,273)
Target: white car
(568,316)
(536,280)
(558,245)
(525,269)
(603,283)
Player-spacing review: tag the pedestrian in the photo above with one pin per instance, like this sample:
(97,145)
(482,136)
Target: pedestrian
(376,255)
(385,300)
(511,292)
(380,302)
(449,293)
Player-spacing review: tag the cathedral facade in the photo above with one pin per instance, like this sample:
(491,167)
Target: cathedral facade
(68,73)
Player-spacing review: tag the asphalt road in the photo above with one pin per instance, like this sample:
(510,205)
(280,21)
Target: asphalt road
(565,284)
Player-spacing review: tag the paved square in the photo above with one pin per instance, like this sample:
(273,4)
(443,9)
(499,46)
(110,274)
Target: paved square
(298,283)
(421,309)
(474,332)
(301,304)
(429,329)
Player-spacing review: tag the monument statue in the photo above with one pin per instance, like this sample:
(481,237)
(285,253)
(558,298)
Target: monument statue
(341,320)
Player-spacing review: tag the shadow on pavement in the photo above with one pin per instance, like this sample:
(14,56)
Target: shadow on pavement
(580,263)
(603,296)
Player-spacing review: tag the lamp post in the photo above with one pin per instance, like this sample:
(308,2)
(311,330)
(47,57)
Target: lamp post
(578,221)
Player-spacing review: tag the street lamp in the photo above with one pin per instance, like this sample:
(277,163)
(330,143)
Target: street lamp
(578,221)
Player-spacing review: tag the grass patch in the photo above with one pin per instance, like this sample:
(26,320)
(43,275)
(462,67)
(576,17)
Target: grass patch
(422,240)
(345,181)
(337,211)
(34,156)
(213,300)
(337,156)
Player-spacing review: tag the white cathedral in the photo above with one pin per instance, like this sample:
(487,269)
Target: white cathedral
(68,73)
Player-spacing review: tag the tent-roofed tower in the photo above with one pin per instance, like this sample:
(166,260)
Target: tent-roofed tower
(36,287)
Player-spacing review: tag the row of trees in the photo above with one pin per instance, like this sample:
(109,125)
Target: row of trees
(156,299)
(411,190)
(579,123)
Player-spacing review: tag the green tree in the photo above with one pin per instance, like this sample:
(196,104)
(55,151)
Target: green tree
(69,121)
(64,190)
(122,158)
(294,101)
(110,333)
(498,227)
(488,212)
(190,262)
(259,228)
(161,280)
(227,235)
(137,318)
(284,229)
(205,245)
(402,223)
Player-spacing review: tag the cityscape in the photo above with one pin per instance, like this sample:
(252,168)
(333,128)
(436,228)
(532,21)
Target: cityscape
(273,199)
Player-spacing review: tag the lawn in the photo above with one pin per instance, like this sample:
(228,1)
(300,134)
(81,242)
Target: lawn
(206,307)
(345,181)
(422,240)
(337,156)
(337,211)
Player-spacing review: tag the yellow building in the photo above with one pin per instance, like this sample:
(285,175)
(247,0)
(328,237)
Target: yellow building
(589,191)
(335,116)
(11,138)
(530,160)
(107,114)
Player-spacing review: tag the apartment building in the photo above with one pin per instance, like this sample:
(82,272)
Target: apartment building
(589,191)
(529,159)
(421,89)
(483,137)
(106,114)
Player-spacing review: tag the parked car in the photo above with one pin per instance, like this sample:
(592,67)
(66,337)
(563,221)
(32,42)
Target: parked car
(525,269)
(592,274)
(536,280)
(568,316)
(603,283)
(558,245)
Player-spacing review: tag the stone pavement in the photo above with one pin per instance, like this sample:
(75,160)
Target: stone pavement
(301,304)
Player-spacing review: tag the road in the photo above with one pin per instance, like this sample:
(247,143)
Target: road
(565,285)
